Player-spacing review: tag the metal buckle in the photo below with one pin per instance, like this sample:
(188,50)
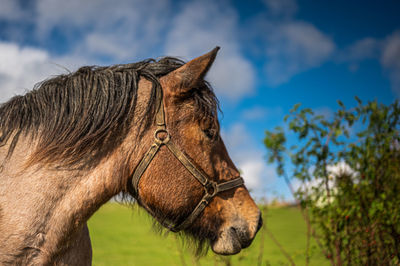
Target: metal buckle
(210,188)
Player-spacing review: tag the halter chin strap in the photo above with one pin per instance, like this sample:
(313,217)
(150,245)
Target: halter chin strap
(211,188)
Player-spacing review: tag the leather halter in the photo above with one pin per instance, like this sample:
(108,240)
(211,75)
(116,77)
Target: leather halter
(211,188)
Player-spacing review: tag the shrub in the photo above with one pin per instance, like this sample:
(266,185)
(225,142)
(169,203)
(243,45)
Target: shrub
(348,170)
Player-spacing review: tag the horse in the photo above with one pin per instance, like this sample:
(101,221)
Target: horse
(147,130)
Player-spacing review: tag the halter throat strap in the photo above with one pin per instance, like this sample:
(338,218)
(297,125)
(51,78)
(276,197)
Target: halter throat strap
(211,188)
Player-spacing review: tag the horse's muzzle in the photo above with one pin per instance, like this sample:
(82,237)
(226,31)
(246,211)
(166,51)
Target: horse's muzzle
(232,239)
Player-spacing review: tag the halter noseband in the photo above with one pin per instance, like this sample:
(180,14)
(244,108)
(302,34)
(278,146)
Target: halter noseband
(211,188)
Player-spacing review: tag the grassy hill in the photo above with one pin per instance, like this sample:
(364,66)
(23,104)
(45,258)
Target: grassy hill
(122,236)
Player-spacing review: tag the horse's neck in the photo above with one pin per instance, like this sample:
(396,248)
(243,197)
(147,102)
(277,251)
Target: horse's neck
(42,209)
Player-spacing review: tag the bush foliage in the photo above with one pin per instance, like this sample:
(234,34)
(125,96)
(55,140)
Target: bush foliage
(348,175)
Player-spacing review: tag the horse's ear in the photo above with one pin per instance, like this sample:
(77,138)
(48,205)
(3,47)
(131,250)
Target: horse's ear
(189,75)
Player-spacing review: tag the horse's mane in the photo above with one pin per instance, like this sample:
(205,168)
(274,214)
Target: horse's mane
(81,114)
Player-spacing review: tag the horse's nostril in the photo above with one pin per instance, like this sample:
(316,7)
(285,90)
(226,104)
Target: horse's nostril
(260,222)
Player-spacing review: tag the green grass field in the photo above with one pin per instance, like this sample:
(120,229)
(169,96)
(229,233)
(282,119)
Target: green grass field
(122,236)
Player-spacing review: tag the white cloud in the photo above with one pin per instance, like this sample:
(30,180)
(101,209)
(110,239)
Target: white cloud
(289,46)
(261,113)
(363,49)
(252,171)
(249,158)
(201,26)
(235,137)
(386,50)
(295,47)
(355,53)
(102,28)
(21,68)
(255,113)
(390,60)
(10,10)
(281,7)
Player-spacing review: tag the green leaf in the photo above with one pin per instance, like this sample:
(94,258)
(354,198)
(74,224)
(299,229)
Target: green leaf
(295,107)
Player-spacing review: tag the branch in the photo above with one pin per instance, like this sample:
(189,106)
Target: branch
(279,246)
(307,219)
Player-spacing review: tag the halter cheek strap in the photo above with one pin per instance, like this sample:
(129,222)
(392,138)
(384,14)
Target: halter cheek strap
(211,188)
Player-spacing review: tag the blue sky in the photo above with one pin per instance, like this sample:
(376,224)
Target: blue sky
(275,53)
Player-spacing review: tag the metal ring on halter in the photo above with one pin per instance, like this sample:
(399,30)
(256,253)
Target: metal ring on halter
(164,140)
(211,188)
